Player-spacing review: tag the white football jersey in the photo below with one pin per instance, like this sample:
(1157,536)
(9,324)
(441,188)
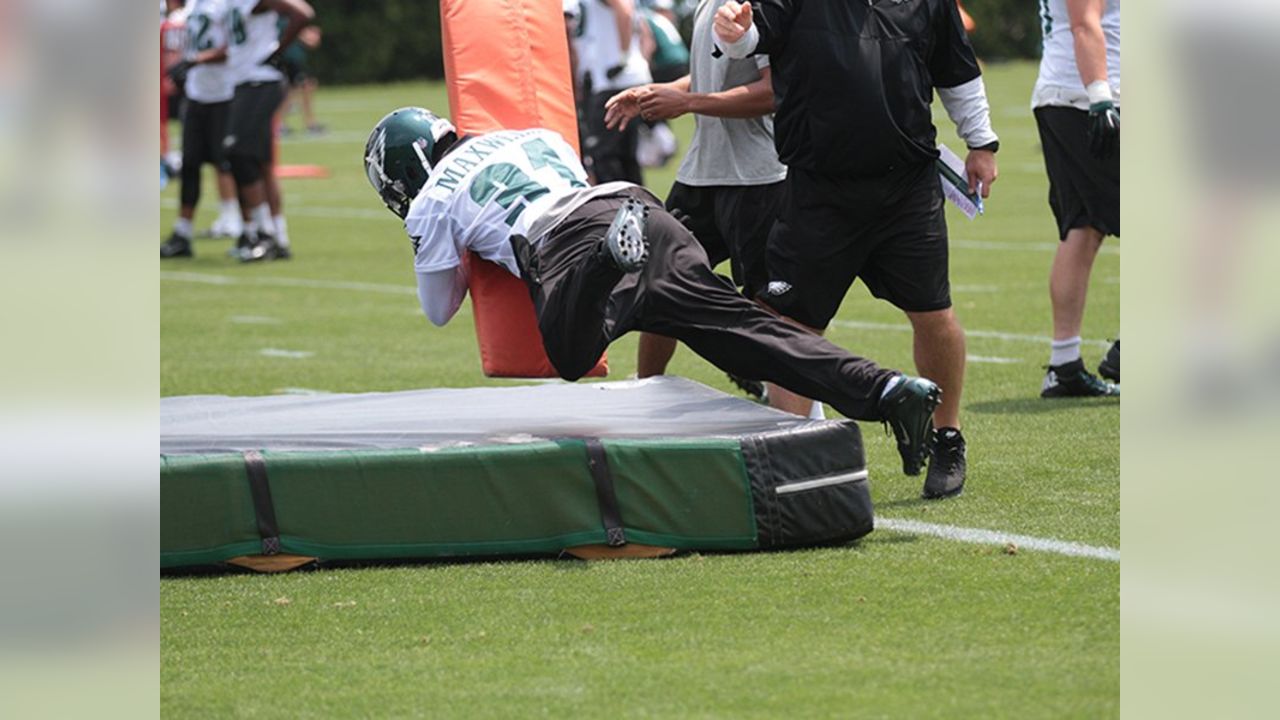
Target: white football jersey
(207,29)
(486,189)
(596,43)
(1059,83)
(253,39)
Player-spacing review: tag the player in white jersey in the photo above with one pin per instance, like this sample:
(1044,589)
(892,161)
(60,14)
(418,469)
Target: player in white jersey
(606,45)
(1077,108)
(208,87)
(601,261)
(256,41)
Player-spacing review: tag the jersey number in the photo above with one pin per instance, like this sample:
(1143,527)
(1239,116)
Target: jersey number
(238,34)
(507,184)
(199,28)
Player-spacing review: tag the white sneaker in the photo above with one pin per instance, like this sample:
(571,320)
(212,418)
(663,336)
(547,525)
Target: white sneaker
(229,226)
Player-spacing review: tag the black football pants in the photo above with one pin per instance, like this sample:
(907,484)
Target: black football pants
(584,303)
(203,127)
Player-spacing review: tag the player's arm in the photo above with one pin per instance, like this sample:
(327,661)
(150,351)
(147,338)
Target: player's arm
(624,14)
(1090,42)
(441,272)
(178,71)
(441,293)
(298,14)
(661,102)
(212,56)
(1091,62)
(955,73)
(745,101)
(746,28)
(624,107)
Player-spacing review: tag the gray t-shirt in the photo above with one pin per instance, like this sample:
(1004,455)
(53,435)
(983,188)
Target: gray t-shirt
(726,151)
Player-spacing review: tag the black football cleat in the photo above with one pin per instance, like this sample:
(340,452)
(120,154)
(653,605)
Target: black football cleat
(947,466)
(265,249)
(1072,380)
(176,247)
(243,243)
(1109,368)
(908,410)
(625,242)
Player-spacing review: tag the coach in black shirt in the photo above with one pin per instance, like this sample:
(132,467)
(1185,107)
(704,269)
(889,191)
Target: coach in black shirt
(853,83)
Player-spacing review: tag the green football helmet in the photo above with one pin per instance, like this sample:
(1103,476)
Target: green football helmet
(401,151)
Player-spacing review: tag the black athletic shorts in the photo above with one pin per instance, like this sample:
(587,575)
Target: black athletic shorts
(890,231)
(295,71)
(732,222)
(1084,191)
(669,73)
(610,154)
(204,125)
(249,121)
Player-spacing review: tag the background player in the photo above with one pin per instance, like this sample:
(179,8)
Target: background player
(608,59)
(1077,108)
(208,87)
(253,55)
(302,84)
(519,198)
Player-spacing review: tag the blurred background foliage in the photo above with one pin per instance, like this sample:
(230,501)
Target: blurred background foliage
(377,41)
(386,40)
(1006,29)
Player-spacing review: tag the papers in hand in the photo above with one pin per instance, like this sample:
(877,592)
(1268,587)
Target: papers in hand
(955,183)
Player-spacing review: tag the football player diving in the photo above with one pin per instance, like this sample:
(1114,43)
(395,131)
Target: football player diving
(602,261)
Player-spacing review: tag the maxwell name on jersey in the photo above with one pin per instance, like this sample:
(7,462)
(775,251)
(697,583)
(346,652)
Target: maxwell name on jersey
(487,188)
(526,164)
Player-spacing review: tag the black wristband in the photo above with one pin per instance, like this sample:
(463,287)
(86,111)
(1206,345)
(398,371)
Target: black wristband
(989,147)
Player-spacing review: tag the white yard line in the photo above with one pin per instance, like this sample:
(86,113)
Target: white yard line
(992,360)
(348,213)
(994,537)
(341,137)
(253,320)
(290,354)
(992,334)
(212,279)
(1020,247)
(301,391)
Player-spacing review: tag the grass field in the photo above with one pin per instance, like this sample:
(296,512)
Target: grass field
(902,624)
